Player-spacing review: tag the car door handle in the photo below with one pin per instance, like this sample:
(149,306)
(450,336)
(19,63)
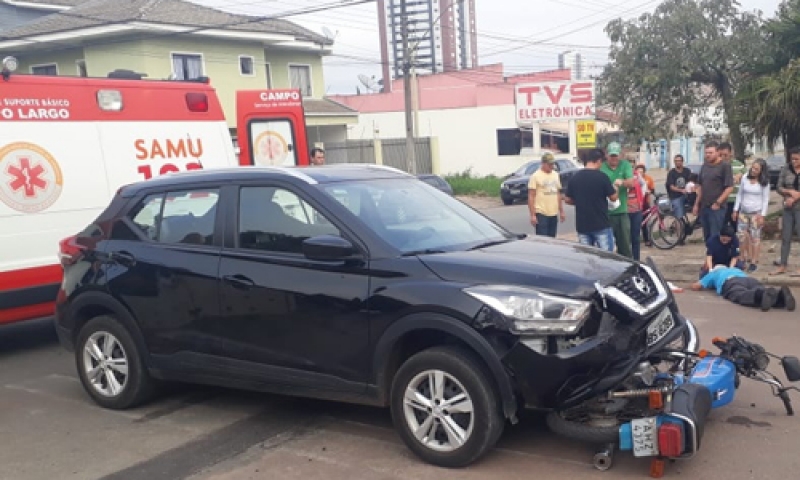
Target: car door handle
(124,258)
(239,281)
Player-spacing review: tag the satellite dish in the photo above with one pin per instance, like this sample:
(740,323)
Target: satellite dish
(368,82)
(328,33)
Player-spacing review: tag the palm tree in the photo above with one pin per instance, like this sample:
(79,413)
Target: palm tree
(769,101)
(770,105)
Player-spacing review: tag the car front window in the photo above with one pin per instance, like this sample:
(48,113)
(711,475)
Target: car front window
(414,218)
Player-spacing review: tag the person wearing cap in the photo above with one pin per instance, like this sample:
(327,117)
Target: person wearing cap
(621,176)
(544,198)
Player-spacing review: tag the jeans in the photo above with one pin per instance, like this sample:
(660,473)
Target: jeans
(546,226)
(603,239)
(678,206)
(621,226)
(712,221)
(636,230)
(791,223)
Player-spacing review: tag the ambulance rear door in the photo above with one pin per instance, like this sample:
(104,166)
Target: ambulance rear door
(271,128)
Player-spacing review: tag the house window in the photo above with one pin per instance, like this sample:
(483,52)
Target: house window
(81,65)
(187,66)
(49,69)
(510,141)
(247,66)
(268,70)
(300,78)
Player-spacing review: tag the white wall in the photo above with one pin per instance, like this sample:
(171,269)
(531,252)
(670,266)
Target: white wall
(467,136)
(327,134)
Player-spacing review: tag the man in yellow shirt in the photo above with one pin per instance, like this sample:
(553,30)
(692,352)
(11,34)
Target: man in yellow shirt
(544,198)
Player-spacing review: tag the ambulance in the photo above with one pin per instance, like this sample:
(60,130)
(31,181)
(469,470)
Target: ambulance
(67,144)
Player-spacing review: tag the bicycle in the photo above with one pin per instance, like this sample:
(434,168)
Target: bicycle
(666,230)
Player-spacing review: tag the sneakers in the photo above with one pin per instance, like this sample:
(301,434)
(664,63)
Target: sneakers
(787,299)
(768,299)
(752,268)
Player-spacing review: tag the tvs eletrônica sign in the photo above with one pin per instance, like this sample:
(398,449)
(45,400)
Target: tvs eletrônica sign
(554,101)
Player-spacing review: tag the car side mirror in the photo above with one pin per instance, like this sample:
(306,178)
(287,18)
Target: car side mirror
(791,366)
(328,248)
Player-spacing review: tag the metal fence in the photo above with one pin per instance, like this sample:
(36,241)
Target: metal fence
(390,152)
(350,151)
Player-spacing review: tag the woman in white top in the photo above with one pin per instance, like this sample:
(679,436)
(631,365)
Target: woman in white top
(750,208)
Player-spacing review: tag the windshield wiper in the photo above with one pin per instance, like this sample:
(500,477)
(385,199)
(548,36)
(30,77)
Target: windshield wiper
(426,251)
(490,244)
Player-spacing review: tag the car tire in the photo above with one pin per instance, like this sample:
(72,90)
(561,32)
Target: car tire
(507,201)
(110,365)
(475,433)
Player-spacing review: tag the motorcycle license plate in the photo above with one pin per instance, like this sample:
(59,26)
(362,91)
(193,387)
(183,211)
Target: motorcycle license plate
(645,437)
(660,327)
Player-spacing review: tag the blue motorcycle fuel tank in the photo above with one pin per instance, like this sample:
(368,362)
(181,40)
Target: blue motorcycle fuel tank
(719,376)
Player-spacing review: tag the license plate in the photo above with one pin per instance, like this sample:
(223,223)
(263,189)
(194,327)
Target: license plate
(660,327)
(515,191)
(645,437)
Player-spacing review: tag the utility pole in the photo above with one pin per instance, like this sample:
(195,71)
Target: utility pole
(415,91)
(410,143)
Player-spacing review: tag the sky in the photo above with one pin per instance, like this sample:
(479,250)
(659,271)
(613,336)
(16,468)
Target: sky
(525,38)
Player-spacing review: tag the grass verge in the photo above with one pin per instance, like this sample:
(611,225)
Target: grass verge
(465,183)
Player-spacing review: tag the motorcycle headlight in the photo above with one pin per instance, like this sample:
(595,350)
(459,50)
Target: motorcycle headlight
(532,311)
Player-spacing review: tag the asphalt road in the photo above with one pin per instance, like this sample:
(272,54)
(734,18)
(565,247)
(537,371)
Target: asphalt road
(517,219)
(49,429)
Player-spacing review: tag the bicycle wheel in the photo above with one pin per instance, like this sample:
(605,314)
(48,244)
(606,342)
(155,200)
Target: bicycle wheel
(666,231)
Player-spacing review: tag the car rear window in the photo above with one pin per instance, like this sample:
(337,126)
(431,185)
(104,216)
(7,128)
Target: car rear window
(175,217)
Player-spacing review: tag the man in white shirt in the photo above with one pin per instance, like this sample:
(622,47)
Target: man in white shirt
(545,203)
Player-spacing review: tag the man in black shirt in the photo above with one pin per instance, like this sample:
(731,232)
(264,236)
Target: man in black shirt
(677,178)
(591,192)
(716,183)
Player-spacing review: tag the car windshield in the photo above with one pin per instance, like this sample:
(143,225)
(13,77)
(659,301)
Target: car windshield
(528,168)
(414,217)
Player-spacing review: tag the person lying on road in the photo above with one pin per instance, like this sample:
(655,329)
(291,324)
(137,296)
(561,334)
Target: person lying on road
(734,285)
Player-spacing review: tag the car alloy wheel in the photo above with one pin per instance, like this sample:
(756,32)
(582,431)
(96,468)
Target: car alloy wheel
(438,410)
(106,364)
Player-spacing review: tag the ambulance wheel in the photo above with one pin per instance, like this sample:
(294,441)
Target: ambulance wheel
(110,366)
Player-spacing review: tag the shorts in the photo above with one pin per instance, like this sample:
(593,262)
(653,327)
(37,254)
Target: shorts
(747,224)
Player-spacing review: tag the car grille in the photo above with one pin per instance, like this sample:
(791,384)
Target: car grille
(639,287)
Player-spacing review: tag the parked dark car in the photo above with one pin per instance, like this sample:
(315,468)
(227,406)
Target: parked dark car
(437,182)
(307,281)
(515,187)
(774,165)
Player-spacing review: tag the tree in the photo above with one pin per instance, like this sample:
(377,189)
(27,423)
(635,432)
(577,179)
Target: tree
(685,58)
(769,101)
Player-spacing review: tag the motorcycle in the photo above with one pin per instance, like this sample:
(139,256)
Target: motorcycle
(661,412)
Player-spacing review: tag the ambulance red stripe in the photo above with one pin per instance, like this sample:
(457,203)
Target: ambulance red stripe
(67,99)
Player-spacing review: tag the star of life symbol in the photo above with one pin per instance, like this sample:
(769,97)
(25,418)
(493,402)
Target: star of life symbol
(30,177)
(27,177)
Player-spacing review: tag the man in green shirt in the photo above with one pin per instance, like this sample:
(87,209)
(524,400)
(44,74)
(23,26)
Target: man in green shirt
(621,175)
(738,169)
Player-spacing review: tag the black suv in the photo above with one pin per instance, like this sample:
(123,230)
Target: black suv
(354,283)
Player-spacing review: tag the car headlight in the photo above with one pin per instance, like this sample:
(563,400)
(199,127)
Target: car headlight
(532,311)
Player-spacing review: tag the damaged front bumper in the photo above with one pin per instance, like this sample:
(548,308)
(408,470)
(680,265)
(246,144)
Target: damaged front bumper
(590,368)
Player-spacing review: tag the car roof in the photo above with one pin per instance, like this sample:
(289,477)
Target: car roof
(311,175)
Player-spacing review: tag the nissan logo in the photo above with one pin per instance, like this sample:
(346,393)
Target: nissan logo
(641,285)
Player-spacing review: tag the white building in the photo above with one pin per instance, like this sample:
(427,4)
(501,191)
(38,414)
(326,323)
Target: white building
(573,61)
